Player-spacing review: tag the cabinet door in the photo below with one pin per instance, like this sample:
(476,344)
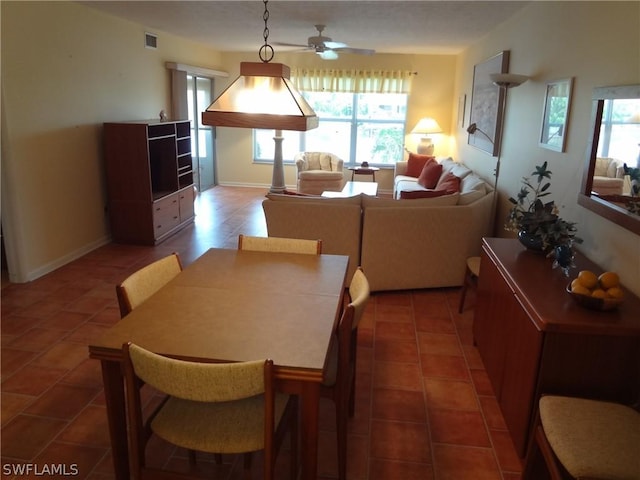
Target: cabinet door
(186,198)
(166,215)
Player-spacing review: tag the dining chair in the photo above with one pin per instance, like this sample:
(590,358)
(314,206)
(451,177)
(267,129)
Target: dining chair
(339,382)
(581,438)
(221,408)
(279,244)
(140,285)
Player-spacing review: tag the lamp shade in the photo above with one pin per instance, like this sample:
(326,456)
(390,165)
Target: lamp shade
(427,125)
(262,96)
(508,80)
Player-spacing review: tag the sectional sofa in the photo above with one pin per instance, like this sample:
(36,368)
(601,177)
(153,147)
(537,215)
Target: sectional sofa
(400,244)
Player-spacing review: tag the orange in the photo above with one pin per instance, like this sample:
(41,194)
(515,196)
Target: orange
(588,279)
(608,280)
(599,293)
(615,292)
(577,288)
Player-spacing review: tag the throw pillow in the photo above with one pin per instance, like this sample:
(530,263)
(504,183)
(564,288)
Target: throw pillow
(448,182)
(430,174)
(422,194)
(416,163)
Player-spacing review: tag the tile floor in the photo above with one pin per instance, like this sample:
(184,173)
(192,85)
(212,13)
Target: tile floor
(425,408)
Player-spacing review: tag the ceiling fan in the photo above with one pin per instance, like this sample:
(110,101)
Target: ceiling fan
(326,48)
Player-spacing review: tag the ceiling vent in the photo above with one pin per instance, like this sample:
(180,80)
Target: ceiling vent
(150,40)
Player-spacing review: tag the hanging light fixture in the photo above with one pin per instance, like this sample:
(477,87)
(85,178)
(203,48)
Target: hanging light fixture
(263,96)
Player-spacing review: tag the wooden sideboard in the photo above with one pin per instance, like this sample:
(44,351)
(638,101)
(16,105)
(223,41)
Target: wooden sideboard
(534,339)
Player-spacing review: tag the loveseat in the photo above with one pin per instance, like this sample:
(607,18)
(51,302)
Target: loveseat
(400,244)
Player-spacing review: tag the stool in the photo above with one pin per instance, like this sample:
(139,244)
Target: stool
(470,279)
(586,439)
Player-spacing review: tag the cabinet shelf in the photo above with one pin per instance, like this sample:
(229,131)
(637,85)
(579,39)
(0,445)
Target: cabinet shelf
(149,179)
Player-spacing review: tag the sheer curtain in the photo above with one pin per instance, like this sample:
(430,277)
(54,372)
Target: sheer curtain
(351,80)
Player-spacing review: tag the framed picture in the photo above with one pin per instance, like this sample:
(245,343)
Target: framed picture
(555,114)
(486,102)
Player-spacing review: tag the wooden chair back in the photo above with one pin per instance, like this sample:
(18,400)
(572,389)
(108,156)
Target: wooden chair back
(279,244)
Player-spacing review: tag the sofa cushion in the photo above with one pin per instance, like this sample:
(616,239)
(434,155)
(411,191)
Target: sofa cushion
(449,182)
(458,169)
(413,194)
(444,200)
(355,200)
(430,174)
(416,163)
(471,183)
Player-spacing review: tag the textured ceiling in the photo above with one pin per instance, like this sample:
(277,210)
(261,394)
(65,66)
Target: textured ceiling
(410,27)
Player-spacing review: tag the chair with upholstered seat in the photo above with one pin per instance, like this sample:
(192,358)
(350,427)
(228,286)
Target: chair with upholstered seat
(339,382)
(319,172)
(277,244)
(585,439)
(140,285)
(222,408)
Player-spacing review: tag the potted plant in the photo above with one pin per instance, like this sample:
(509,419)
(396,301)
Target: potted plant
(537,223)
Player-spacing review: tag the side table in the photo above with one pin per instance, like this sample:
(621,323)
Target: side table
(363,171)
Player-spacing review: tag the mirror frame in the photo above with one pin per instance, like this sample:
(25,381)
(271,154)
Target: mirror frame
(608,210)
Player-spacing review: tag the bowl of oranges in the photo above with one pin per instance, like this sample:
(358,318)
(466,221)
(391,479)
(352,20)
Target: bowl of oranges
(597,292)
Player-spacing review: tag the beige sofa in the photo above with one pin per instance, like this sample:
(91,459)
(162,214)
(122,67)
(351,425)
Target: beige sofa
(401,244)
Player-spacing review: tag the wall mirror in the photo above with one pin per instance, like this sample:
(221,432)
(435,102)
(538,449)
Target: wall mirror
(607,188)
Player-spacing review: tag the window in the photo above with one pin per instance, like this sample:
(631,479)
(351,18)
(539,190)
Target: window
(357,127)
(620,130)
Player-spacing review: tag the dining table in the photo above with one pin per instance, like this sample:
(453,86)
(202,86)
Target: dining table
(236,305)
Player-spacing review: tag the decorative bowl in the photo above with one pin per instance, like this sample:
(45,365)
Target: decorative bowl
(594,303)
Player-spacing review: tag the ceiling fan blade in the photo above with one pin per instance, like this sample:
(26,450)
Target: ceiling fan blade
(334,45)
(358,51)
(284,44)
(328,55)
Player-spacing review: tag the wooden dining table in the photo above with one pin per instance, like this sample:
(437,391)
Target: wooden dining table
(232,305)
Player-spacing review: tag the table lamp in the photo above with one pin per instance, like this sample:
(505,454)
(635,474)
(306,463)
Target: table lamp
(426,126)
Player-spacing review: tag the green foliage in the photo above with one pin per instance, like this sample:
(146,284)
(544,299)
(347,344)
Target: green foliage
(529,213)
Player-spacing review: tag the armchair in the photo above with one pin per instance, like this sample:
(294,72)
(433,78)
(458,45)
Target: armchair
(318,172)
(608,177)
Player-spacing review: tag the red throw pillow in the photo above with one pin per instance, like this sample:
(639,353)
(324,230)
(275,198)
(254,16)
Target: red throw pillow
(415,164)
(449,183)
(430,174)
(422,194)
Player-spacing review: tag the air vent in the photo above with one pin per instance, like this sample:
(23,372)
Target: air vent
(150,40)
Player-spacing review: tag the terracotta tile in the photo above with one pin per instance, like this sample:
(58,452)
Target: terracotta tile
(402,405)
(77,460)
(399,375)
(432,324)
(12,404)
(88,304)
(452,462)
(17,324)
(400,441)
(107,316)
(492,414)
(450,394)
(32,380)
(13,359)
(391,350)
(88,428)
(394,298)
(399,330)
(472,355)
(87,333)
(458,427)
(482,382)
(63,355)
(505,451)
(37,339)
(444,366)
(62,401)
(393,314)
(18,444)
(434,306)
(43,308)
(64,320)
(393,470)
(439,344)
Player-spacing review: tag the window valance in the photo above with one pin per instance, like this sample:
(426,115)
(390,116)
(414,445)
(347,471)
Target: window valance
(351,80)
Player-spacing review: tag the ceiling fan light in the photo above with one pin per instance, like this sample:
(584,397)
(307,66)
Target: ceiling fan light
(328,55)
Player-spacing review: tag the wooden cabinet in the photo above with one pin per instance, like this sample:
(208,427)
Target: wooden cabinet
(534,339)
(149,179)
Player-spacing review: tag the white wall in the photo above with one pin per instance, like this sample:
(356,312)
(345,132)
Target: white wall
(597,44)
(66,69)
